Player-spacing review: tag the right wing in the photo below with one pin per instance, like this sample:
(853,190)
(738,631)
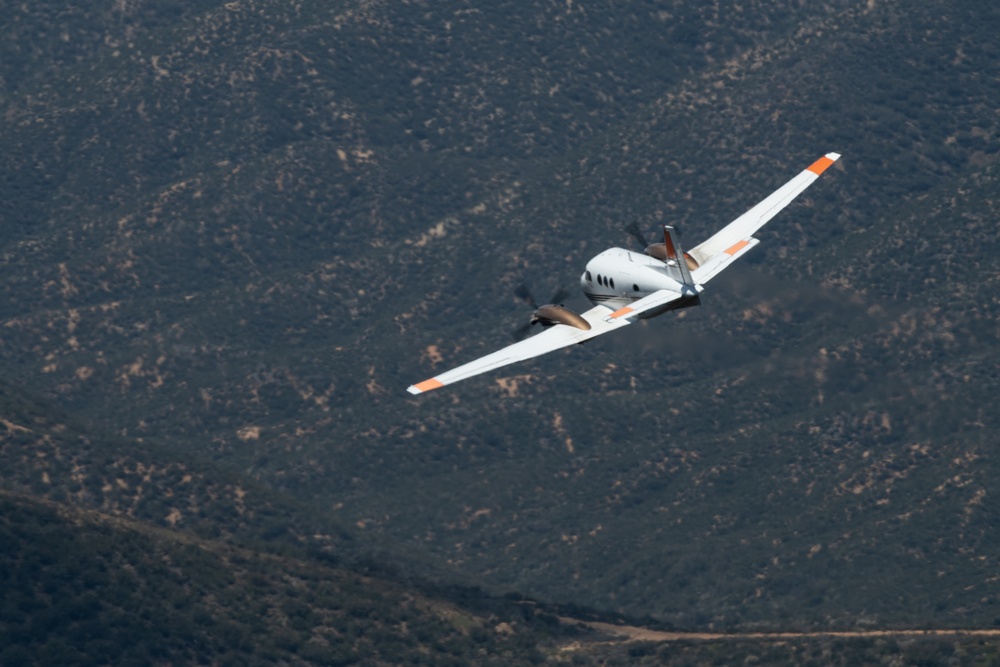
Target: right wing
(736,238)
(601,319)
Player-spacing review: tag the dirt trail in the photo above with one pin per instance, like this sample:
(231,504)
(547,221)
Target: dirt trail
(631,633)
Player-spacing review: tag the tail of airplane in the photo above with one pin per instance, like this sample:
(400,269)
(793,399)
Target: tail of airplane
(679,263)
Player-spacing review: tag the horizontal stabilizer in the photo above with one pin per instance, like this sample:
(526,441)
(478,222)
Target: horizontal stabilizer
(715,265)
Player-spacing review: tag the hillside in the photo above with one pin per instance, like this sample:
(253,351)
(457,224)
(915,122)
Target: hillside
(234,235)
(80,588)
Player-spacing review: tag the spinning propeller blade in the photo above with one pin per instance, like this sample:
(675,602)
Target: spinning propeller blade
(637,234)
(522,292)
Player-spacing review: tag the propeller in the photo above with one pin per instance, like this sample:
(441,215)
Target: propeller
(522,292)
(637,234)
(521,332)
(655,250)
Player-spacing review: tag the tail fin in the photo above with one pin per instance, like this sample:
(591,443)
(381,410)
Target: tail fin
(677,260)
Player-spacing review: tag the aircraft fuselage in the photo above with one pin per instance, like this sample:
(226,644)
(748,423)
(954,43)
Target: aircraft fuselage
(618,277)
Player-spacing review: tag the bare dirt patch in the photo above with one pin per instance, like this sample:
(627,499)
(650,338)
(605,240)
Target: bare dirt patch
(631,633)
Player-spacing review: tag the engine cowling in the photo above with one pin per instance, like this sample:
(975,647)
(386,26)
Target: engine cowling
(659,251)
(550,314)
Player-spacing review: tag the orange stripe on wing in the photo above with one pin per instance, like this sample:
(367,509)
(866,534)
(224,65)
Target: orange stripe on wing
(427,385)
(736,247)
(621,312)
(820,165)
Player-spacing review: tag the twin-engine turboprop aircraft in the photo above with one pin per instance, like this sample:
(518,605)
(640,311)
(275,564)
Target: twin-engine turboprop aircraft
(626,286)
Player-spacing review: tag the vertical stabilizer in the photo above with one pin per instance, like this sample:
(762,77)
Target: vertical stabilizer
(677,262)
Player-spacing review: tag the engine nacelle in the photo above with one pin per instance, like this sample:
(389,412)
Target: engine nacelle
(659,251)
(551,314)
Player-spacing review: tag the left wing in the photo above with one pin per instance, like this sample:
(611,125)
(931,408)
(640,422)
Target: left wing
(601,319)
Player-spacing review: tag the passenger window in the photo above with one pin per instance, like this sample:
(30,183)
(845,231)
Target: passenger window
(612,283)
(635,288)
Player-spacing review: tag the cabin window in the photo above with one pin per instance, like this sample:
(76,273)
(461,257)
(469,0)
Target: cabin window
(600,280)
(589,279)
(612,283)
(635,288)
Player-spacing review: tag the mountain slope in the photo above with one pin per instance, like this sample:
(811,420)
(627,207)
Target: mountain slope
(241,236)
(80,588)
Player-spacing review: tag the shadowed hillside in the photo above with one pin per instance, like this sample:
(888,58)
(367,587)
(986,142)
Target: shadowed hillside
(82,589)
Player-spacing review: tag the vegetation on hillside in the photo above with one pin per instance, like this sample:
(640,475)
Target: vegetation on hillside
(233,234)
(80,589)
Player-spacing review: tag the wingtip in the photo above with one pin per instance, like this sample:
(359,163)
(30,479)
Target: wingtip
(820,165)
(426,385)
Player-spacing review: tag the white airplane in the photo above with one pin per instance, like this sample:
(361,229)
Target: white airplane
(625,286)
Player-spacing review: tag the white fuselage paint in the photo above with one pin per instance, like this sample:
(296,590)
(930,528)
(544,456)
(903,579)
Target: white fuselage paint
(617,277)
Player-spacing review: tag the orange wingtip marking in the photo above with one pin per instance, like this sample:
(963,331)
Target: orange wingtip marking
(733,249)
(820,165)
(622,312)
(427,385)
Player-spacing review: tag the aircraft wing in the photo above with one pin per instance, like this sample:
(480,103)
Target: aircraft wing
(601,319)
(736,238)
